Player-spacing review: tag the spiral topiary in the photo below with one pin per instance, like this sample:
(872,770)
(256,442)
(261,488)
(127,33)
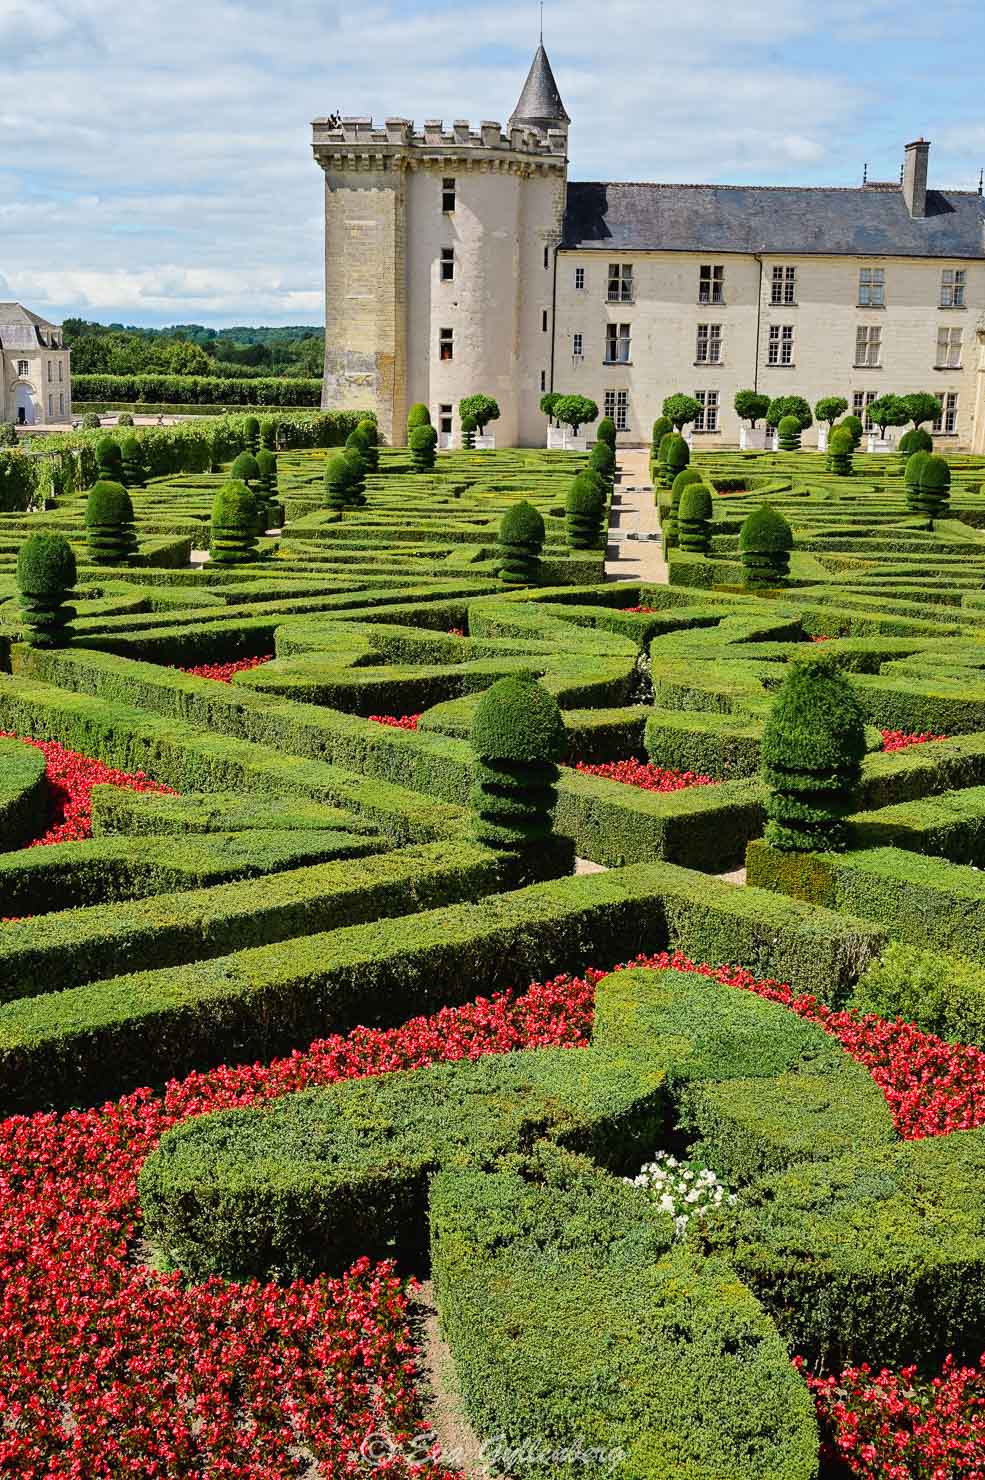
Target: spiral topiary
(251,430)
(606,432)
(518,737)
(357,487)
(812,751)
(45,576)
(417,416)
(370,441)
(234,525)
(684,477)
(935,487)
(109,524)
(268,434)
(911,479)
(788,433)
(133,464)
(675,455)
(468,425)
(338,482)
(853,424)
(603,460)
(265,490)
(765,542)
(368,451)
(840,449)
(583,512)
(694,519)
(423,442)
(519,542)
(109,460)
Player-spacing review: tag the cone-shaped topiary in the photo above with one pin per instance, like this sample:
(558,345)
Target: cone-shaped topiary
(694,519)
(853,424)
(915,440)
(265,491)
(251,428)
(840,449)
(45,576)
(765,542)
(338,481)
(518,544)
(417,416)
(268,434)
(911,479)
(370,444)
(518,737)
(468,425)
(675,455)
(234,525)
(245,469)
(368,451)
(603,460)
(109,460)
(357,487)
(661,427)
(133,464)
(109,524)
(935,487)
(812,752)
(788,433)
(684,477)
(606,432)
(423,442)
(583,512)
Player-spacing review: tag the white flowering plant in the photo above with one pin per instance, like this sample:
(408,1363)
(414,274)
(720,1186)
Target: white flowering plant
(682,1189)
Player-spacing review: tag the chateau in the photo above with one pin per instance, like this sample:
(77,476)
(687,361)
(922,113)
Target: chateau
(35,371)
(463,260)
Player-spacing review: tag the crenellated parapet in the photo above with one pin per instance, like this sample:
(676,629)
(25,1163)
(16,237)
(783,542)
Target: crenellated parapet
(359,144)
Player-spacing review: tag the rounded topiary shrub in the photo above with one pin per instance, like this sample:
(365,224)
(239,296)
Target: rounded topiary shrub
(417,416)
(110,536)
(245,469)
(368,451)
(911,479)
(90,422)
(518,737)
(812,752)
(765,542)
(669,531)
(606,432)
(423,443)
(357,486)
(853,424)
(583,513)
(234,525)
(694,519)
(45,576)
(840,449)
(788,433)
(124,419)
(133,464)
(675,455)
(934,491)
(268,434)
(519,541)
(915,440)
(251,429)
(603,460)
(109,460)
(338,481)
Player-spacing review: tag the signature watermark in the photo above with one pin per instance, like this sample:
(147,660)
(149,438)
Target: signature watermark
(380,1449)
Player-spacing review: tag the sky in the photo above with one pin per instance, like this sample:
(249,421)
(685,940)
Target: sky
(155,160)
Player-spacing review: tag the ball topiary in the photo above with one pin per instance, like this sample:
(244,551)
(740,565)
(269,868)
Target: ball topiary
(603,460)
(417,416)
(90,422)
(935,487)
(245,469)
(423,441)
(675,455)
(911,479)
(915,440)
(583,512)
(694,519)
(251,430)
(109,460)
(338,481)
(234,525)
(124,419)
(519,542)
(812,752)
(133,464)
(110,534)
(518,737)
(788,433)
(840,449)
(765,542)
(45,576)
(606,432)
(268,434)
(684,477)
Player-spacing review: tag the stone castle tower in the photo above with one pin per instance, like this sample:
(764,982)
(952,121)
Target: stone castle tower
(440,261)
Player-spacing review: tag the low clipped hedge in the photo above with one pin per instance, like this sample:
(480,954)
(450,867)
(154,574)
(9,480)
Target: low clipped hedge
(942,994)
(23,793)
(201,390)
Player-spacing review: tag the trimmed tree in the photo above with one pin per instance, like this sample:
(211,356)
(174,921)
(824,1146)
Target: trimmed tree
(694,519)
(603,460)
(888,411)
(234,524)
(110,534)
(266,488)
(661,427)
(468,432)
(675,455)
(935,487)
(751,406)
(765,542)
(518,737)
(853,424)
(911,480)
(268,434)
(245,469)
(369,453)
(681,410)
(683,479)
(829,408)
(788,433)
(109,460)
(417,416)
(575,412)
(840,449)
(915,440)
(45,577)
(90,422)
(547,403)
(782,406)
(812,752)
(124,419)
(133,464)
(921,406)
(423,442)
(519,541)
(357,486)
(251,428)
(584,509)
(606,432)
(482,409)
(339,475)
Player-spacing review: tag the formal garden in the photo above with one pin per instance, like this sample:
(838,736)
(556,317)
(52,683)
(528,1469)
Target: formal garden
(401,918)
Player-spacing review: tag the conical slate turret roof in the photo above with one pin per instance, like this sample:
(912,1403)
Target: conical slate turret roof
(540,103)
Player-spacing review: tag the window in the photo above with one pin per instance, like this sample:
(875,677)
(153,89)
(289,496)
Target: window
(783,289)
(547,256)
(22,367)
(868,344)
(872,287)
(447,264)
(709,347)
(543,380)
(448,194)
(617,342)
(707,420)
(446,344)
(947,422)
(579,279)
(617,408)
(61,367)
(952,287)
(51,371)
(543,321)
(711,285)
(948,349)
(861,401)
(577,345)
(620,282)
(51,404)
(444,420)
(780,350)
(61,403)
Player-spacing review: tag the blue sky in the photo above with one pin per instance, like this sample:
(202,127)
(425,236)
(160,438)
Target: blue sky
(155,161)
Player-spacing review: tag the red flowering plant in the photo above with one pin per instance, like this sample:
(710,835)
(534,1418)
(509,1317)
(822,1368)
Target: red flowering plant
(397,721)
(71,778)
(642,774)
(223,672)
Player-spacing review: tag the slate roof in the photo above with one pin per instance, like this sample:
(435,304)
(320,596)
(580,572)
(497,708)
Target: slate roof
(862,222)
(19,327)
(540,102)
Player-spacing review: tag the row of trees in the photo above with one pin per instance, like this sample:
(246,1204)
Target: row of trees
(193,349)
(887,411)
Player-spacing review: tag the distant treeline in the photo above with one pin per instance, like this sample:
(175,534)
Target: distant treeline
(192,349)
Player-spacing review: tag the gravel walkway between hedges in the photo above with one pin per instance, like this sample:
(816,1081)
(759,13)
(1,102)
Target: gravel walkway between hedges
(634,513)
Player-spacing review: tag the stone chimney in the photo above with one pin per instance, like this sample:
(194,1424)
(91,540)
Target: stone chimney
(915,177)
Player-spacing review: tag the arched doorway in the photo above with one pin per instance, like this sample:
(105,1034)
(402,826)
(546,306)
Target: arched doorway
(25,406)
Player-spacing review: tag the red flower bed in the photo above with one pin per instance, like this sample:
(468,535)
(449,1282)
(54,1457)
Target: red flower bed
(456,632)
(644,775)
(897,740)
(223,672)
(642,610)
(396,721)
(71,778)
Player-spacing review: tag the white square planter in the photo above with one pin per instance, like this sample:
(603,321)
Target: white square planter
(563,439)
(876,443)
(822,439)
(774,442)
(444,441)
(485,443)
(752,439)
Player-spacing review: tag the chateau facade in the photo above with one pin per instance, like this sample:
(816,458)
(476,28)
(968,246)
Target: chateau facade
(463,260)
(35,369)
